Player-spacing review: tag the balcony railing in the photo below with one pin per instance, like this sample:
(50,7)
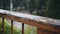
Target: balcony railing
(44,25)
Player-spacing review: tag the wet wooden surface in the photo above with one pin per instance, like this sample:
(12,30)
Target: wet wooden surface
(32,17)
(44,26)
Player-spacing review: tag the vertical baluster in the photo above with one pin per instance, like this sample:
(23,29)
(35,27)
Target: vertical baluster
(38,31)
(3,26)
(11,26)
(22,28)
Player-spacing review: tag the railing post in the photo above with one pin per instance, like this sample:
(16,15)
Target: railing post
(22,28)
(41,31)
(11,26)
(3,25)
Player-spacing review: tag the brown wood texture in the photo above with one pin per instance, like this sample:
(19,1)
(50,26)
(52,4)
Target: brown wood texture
(31,22)
(3,32)
(43,31)
(22,28)
(12,27)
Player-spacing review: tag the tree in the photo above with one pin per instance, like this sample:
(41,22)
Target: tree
(32,5)
(37,5)
(5,4)
(53,9)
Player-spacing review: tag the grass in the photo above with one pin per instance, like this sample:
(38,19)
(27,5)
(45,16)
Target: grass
(16,30)
(30,30)
(8,28)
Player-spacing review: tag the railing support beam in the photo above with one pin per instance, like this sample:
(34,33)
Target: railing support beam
(11,26)
(22,28)
(3,25)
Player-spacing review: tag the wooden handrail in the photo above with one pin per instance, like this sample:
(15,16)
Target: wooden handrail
(31,17)
(40,22)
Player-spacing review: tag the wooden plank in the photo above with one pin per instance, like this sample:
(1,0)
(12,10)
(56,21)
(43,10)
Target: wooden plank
(12,27)
(31,22)
(3,32)
(43,31)
(32,17)
(22,28)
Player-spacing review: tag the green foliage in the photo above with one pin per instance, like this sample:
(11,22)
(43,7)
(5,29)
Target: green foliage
(5,4)
(30,30)
(46,8)
(8,29)
(53,9)
(16,30)
(32,4)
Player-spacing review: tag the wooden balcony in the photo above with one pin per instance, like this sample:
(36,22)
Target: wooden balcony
(44,25)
